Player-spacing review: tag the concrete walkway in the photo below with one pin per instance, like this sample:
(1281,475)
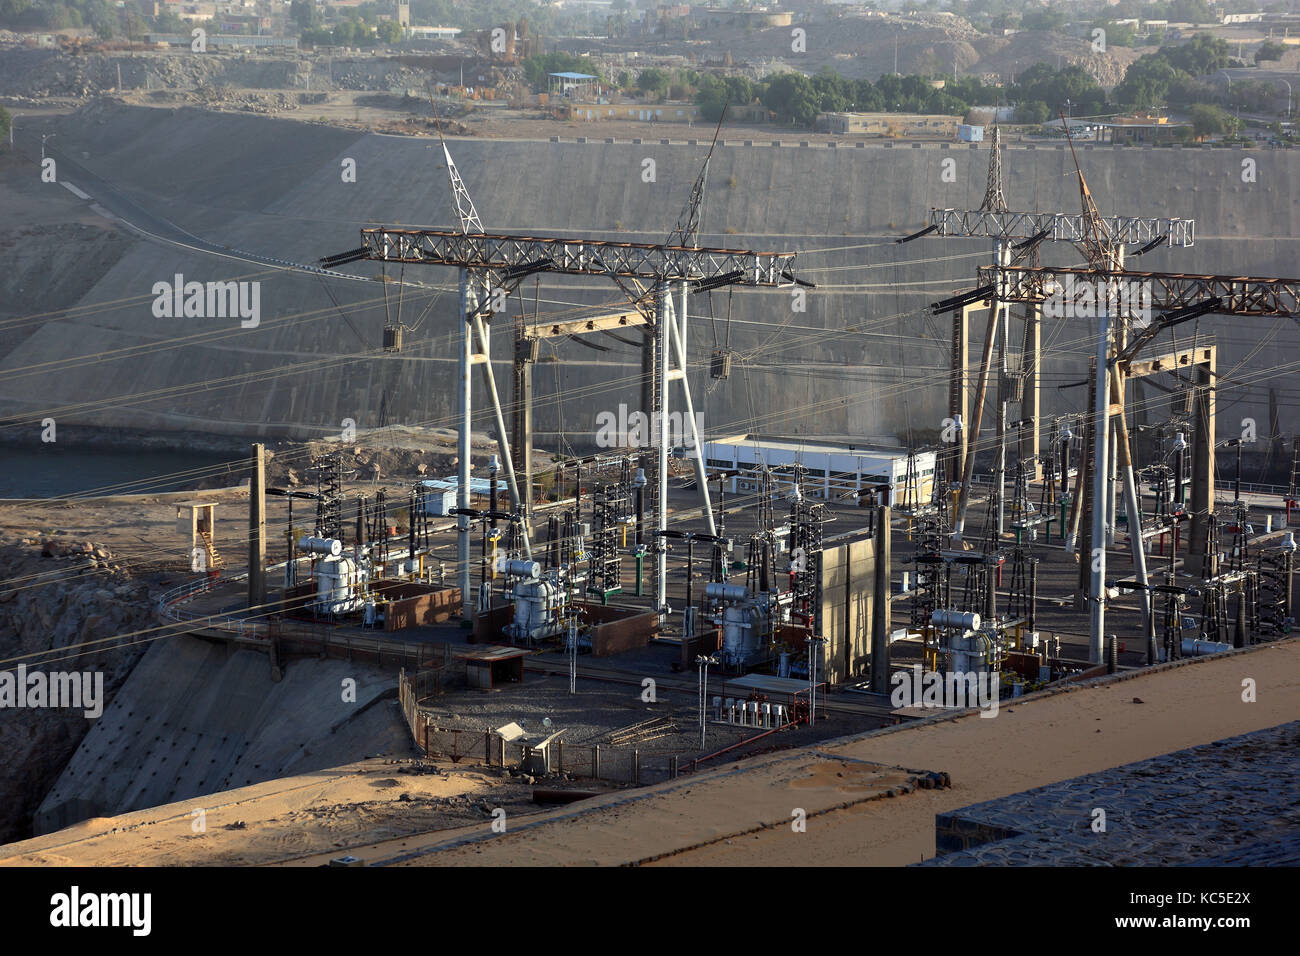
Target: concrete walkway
(741,815)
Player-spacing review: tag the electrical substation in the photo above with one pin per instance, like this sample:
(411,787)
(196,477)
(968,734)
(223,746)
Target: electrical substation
(791,581)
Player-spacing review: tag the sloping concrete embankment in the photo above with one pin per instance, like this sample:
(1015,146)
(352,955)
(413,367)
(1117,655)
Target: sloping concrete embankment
(275,187)
(195,718)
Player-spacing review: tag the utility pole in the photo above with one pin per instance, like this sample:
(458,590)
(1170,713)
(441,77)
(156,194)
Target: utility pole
(702,662)
(665,319)
(573,654)
(814,652)
(257,530)
(1101,445)
(464,446)
(880,607)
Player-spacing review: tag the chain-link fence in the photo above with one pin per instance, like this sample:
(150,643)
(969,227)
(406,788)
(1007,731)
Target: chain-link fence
(628,765)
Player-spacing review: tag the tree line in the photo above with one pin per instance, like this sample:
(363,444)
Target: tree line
(1175,75)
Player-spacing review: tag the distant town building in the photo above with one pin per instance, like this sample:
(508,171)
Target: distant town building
(1136,128)
(659,113)
(433,33)
(224,41)
(727,17)
(1140,128)
(889,124)
(578,86)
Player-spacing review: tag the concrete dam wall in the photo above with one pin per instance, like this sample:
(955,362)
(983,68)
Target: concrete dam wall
(862,359)
(196,718)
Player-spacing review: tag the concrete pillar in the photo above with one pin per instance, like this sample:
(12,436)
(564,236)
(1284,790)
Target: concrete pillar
(522,420)
(1000,421)
(665,319)
(1202,499)
(1030,403)
(881,620)
(1096,559)
(959,388)
(464,449)
(1132,502)
(977,410)
(257,529)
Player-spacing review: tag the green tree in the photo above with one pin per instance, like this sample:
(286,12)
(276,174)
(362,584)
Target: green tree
(834,93)
(713,92)
(538,68)
(866,98)
(653,82)
(1200,55)
(12,10)
(169,22)
(1146,82)
(792,98)
(1072,84)
(1117,34)
(1208,120)
(1269,51)
(6,121)
(389,31)
(904,94)
(1032,112)
(1048,18)
(306,14)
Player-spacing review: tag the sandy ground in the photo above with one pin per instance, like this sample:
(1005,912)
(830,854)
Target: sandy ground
(739,814)
(316,812)
(138,529)
(1041,740)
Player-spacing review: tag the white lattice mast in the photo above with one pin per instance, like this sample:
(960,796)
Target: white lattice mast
(471,312)
(686,232)
(994,198)
(1105,255)
(466,214)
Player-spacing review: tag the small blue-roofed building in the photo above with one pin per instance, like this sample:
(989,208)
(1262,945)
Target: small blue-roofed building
(580,85)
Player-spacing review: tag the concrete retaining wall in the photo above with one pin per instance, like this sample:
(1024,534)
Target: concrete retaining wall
(274,187)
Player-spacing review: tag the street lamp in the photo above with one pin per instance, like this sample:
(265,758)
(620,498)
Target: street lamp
(44,137)
(1288,97)
(814,651)
(703,661)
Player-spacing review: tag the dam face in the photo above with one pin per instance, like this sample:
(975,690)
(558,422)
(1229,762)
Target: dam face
(859,355)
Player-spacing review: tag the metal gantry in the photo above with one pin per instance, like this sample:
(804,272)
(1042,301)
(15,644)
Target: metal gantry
(511,254)
(1018,234)
(1164,291)
(1059,227)
(491,266)
(1104,241)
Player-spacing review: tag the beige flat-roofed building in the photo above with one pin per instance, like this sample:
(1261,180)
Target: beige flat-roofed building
(889,124)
